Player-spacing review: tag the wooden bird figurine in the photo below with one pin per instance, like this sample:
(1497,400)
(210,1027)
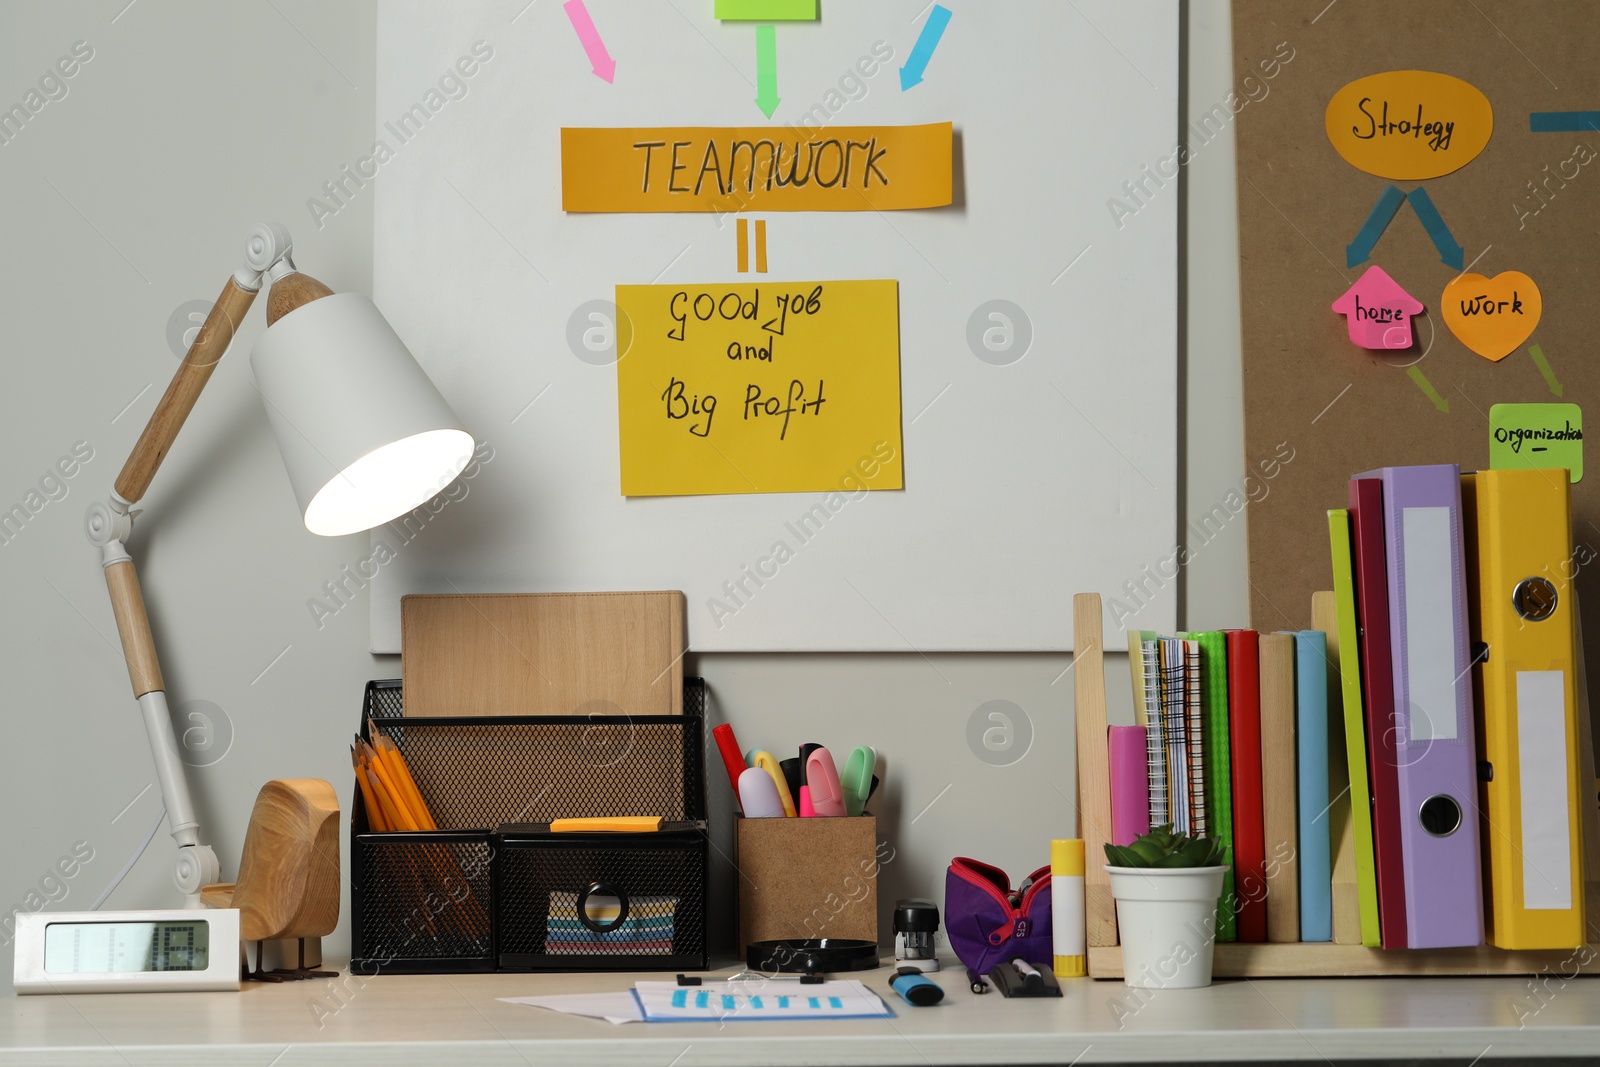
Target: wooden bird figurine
(288,883)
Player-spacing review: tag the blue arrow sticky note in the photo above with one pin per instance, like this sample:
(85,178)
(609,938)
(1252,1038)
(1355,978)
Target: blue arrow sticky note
(1383,211)
(927,41)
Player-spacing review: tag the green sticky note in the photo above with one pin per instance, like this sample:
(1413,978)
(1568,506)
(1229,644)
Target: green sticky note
(767,10)
(1535,436)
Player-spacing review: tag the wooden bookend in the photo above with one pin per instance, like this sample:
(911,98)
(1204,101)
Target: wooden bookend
(1094,769)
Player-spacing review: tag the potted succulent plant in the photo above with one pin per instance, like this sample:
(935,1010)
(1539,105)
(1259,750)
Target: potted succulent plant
(1166,886)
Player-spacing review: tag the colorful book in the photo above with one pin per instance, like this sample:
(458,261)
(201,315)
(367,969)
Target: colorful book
(1436,750)
(1218,773)
(1341,830)
(1194,740)
(1519,533)
(1174,728)
(1279,787)
(1311,771)
(1141,713)
(1130,783)
(1155,734)
(1377,693)
(1244,761)
(1355,745)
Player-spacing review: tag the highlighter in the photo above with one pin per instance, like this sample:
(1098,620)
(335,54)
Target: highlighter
(915,988)
(767,762)
(827,797)
(732,759)
(758,796)
(1066,908)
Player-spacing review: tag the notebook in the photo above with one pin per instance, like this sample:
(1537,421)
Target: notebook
(1155,734)
(1218,772)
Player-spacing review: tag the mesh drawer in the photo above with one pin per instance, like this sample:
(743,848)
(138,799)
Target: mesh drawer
(601,901)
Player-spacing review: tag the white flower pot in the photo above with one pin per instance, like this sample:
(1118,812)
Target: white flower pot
(1167,921)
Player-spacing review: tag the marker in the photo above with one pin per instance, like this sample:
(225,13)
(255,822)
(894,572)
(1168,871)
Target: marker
(758,796)
(976,979)
(857,779)
(1066,891)
(827,797)
(767,762)
(915,988)
(732,759)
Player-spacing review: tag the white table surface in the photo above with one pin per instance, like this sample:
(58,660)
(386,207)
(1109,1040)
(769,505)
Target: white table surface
(437,1019)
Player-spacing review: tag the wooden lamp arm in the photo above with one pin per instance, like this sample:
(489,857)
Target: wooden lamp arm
(184,389)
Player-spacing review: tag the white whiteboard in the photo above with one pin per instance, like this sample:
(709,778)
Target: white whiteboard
(1025,481)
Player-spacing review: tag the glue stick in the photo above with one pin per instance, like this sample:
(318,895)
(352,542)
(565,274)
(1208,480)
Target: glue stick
(1066,908)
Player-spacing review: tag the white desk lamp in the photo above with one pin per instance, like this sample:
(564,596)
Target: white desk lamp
(364,435)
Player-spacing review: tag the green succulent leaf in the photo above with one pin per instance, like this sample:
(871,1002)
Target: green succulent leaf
(1163,847)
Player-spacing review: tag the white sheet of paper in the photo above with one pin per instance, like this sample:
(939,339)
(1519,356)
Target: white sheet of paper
(614,1008)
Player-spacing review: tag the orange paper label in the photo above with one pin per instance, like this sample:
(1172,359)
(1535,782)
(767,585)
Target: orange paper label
(1409,124)
(1492,316)
(762,168)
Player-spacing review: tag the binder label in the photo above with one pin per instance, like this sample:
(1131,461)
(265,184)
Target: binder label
(1542,776)
(1428,556)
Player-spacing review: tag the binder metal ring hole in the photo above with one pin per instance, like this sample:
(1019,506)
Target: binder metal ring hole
(1440,815)
(610,893)
(1534,598)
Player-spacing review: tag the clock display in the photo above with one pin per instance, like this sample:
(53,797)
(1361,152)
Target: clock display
(120,948)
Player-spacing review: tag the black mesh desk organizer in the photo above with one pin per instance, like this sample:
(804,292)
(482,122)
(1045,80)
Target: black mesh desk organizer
(493,889)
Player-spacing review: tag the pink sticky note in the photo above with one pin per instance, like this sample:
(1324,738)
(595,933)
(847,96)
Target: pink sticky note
(1377,311)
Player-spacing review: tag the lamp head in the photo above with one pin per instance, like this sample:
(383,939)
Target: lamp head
(365,435)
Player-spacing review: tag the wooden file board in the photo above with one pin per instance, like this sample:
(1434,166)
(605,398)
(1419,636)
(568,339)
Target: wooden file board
(543,654)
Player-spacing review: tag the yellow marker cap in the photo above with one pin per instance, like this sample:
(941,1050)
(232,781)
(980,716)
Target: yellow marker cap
(1066,857)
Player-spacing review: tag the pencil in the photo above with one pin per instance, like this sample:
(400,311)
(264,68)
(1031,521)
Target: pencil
(401,772)
(391,784)
(397,820)
(375,819)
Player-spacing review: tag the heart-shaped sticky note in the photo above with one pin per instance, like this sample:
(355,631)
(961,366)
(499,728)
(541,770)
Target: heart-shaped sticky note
(1492,316)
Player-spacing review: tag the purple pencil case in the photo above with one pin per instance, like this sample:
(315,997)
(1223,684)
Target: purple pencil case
(989,923)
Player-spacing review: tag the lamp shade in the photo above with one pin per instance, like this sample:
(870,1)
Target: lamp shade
(365,435)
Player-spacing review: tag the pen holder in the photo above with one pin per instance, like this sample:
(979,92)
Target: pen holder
(808,878)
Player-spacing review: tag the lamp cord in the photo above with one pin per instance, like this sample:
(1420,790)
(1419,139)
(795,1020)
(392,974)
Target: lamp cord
(126,867)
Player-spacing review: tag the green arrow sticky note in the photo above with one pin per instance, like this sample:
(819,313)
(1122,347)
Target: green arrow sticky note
(1535,436)
(766,10)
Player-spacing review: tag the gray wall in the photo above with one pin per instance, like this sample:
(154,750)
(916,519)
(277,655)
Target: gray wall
(128,198)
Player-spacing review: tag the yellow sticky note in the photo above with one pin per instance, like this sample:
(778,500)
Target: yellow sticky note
(1409,124)
(777,387)
(725,169)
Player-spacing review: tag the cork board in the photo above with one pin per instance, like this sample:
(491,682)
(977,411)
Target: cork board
(1336,409)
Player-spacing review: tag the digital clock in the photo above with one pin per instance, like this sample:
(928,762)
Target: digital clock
(127,951)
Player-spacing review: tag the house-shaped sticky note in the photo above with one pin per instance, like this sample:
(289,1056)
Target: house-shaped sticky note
(1377,311)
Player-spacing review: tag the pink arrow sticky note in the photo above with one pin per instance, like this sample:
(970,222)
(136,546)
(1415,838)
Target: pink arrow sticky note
(1377,311)
(600,60)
